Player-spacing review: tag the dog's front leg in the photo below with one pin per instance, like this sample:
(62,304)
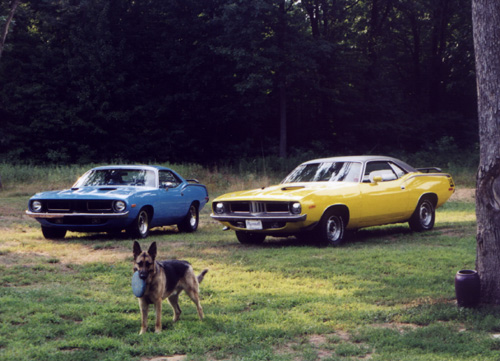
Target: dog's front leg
(158,316)
(144,315)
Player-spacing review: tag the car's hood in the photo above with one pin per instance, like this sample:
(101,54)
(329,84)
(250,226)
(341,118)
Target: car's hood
(288,192)
(91,192)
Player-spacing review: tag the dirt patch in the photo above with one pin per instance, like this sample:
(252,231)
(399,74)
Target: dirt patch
(464,195)
(399,326)
(166,358)
(43,251)
(323,345)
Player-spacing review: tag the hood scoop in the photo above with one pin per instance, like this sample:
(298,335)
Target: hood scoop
(291,188)
(108,189)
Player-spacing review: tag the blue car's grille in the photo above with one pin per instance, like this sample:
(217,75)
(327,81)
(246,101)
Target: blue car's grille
(78,206)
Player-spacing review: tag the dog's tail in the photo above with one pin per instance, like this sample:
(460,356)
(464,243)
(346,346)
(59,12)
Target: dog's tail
(202,275)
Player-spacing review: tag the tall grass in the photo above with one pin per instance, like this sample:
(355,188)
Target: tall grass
(28,179)
(245,173)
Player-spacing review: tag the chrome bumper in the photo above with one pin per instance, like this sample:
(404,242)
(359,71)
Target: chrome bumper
(260,217)
(88,215)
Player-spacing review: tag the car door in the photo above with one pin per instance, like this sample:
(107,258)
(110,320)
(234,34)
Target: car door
(170,207)
(384,198)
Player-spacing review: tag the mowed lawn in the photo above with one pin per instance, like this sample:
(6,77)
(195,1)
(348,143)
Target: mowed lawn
(387,294)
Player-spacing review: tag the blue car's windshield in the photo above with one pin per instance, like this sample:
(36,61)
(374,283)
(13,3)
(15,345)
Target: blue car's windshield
(117,177)
(325,172)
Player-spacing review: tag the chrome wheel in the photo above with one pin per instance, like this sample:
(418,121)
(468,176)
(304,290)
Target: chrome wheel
(334,228)
(193,216)
(331,228)
(424,216)
(190,222)
(143,223)
(140,226)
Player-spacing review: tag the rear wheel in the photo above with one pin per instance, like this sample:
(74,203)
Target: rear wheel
(190,222)
(424,216)
(140,226)
(250,238)
(53,233)
(331,228)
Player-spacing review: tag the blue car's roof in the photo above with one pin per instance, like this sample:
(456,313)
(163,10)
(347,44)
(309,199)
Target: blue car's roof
(141,166)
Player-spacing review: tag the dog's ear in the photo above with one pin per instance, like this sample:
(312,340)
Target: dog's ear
(137,249)
(152,250)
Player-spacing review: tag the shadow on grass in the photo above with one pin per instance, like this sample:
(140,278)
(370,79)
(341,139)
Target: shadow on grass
(371,236)
(116,236)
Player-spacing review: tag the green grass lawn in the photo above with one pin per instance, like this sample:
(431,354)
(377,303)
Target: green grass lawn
(387,294)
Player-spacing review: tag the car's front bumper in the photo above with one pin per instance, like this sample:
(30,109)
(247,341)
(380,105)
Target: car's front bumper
(266,218)
(270,224)
(84,222)
(70,215)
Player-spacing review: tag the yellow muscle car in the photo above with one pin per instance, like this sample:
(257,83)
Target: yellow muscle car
(326,197)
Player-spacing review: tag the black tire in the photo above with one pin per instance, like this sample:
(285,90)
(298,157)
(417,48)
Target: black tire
(250,238)
(116,233)
(140,227)
(53,233)
(190,223)
(331,229)
(424,216)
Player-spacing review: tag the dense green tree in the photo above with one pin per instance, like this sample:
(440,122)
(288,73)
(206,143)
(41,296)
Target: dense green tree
(215,80)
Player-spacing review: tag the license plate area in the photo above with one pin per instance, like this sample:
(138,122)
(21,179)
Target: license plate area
(253,224)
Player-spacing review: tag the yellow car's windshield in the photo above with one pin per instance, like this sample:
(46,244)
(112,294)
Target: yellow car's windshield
(325,172)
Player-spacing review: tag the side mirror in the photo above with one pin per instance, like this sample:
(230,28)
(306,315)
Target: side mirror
(377,178)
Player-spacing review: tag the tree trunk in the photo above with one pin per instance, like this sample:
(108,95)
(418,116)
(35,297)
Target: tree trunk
(486,25)
(5,30)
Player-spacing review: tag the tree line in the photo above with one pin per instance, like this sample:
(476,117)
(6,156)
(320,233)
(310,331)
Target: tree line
(215,80)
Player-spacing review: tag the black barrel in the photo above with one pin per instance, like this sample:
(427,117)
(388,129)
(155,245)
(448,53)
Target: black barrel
(467,288)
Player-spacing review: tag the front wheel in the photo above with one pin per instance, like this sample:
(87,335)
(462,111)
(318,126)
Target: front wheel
(190,223)
(331,229)
(53,233)
(140,226)
(424,216)
(250,238)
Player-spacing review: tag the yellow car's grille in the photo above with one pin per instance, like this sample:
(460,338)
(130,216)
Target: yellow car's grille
(259,207)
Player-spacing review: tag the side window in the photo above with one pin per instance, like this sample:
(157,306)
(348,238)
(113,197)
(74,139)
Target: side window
(383,169)
(399,172)
(168,177)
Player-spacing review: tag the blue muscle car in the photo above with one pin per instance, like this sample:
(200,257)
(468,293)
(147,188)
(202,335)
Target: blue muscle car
(114,198)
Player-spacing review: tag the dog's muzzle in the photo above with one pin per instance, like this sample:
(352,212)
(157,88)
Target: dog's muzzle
(143,275)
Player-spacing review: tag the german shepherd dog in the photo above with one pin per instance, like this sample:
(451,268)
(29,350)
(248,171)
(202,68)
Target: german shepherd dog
(164,279)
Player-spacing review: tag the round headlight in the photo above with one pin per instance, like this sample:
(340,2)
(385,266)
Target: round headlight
(219,208)
(36,206)
(119,206)
(296,208)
